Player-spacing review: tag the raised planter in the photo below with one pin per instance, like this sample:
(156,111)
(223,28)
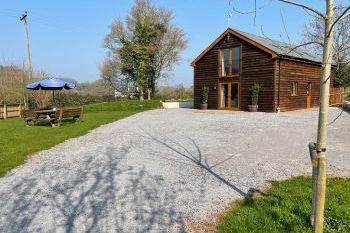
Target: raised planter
(178,104)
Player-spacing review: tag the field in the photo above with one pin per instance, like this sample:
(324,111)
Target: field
(18,141)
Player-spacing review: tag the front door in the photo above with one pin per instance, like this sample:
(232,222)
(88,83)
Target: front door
(308,95)
(229,95)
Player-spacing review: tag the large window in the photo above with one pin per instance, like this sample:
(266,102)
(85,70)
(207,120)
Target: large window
(225,63)
(230,61)
(236,60)
(294,89)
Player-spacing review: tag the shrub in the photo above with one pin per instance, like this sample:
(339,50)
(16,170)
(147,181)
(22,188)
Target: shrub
(254,90)
(205,93)
(64,98)
(178,92)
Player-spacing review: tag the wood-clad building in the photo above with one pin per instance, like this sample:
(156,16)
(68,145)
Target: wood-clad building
(289,76)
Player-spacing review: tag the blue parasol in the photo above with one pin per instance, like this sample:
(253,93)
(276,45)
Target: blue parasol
(51,84)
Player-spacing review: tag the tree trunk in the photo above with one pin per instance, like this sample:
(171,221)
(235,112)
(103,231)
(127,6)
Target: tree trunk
(153,87)
(323,119)
(313,157)
(148,93)
(141,94)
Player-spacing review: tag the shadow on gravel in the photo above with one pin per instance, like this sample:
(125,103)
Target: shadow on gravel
(101,196)
(192,153)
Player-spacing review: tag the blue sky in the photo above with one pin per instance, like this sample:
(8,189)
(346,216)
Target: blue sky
(66,36)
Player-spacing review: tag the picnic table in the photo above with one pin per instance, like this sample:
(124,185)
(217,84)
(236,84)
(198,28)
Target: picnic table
(45,114)
(52,116)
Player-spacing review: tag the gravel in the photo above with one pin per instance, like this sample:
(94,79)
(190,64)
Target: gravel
(163,170)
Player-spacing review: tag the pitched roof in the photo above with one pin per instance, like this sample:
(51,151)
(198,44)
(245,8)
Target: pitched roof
(273,47)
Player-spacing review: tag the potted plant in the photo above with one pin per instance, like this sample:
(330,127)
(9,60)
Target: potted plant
(254,91)
(205,93)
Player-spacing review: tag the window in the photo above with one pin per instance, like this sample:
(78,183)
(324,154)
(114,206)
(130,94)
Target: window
(294,88)
(230,61)
(236,58)
(225,62)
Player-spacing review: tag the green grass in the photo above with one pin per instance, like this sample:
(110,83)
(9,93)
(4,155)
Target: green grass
(18,141)
(287,206)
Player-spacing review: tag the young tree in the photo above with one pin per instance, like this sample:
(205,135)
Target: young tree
(147,44)
(328,22)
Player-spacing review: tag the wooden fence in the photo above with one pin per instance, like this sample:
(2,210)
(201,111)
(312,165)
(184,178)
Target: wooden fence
(336,96)
(10,110)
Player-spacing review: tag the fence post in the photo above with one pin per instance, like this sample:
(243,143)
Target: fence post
(20,110)
(5,111)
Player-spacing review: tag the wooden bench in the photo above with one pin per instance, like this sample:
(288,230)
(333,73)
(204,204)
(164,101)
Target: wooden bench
(29,116)
(73,114)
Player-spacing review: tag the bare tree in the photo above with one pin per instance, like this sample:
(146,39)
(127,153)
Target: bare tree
(110,73)
(341,46)
(13,79)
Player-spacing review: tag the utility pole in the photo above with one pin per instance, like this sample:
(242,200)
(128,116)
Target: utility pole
(23,18)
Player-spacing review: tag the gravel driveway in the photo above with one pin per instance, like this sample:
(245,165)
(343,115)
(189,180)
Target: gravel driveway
(160,170)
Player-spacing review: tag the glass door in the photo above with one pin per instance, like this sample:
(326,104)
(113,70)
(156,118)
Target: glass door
(234,95)
(224,95)
(229,95)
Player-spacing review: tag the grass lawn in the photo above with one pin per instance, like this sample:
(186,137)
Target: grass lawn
(18,141)
(287,206)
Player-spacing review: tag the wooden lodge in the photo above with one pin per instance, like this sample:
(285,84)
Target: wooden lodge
(289,76)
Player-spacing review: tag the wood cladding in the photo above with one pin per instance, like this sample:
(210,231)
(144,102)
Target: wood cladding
(303,74)
(258,66)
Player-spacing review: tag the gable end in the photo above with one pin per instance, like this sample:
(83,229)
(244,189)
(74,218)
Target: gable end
(238,35)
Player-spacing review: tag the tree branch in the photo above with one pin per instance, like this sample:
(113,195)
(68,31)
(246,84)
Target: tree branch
(341,16)
(285,27)
(343,49)
(292,48)
(304,6)
(302,45)
(256,8)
